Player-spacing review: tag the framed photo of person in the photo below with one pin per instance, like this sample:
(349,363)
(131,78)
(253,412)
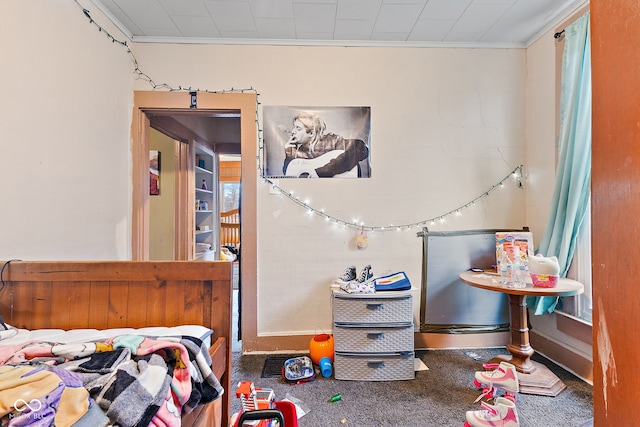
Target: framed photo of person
(154,172)
(317,142)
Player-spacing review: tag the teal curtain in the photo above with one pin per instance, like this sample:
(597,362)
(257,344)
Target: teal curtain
(573,175)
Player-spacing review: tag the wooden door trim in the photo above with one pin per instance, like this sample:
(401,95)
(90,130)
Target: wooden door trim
(246,103)
(140,126)
(185,202)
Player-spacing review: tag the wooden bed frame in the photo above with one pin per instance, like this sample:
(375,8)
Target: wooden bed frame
(113,294)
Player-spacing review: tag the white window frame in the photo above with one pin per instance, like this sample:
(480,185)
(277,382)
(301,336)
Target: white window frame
(581,305)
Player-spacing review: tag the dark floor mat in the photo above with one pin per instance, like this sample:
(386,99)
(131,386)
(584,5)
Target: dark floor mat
(273,365)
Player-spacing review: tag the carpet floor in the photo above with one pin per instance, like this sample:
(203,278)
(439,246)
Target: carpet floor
(439,396)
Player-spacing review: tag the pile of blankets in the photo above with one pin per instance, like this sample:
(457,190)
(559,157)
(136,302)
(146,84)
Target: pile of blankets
(127,380)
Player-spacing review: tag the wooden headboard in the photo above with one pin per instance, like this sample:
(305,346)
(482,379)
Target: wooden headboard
(114,294)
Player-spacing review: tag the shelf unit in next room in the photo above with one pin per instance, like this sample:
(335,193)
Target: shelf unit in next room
(204,244)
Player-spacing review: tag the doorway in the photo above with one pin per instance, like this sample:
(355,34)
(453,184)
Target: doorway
(150,105)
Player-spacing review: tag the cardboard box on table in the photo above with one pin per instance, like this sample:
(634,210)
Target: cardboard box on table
(520,239)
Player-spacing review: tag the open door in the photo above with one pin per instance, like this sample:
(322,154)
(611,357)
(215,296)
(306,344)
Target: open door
(151,104)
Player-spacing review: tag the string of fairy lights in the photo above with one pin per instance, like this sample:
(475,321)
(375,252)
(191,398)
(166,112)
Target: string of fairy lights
(143,76)
(515,175)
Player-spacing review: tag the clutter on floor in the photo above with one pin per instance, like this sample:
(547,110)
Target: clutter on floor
(443,394)
(367,345)
(260,404)
(273,365)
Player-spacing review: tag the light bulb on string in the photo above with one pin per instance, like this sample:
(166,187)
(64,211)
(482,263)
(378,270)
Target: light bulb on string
(356,224)
(517,173)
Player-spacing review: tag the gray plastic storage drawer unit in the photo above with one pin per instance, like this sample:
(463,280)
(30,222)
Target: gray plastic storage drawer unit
(373,336)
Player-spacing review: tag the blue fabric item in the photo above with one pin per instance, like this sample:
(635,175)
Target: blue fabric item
(573,175)
(392,282)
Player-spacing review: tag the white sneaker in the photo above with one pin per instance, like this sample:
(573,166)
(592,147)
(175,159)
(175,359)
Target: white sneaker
(502,376)
(501,414)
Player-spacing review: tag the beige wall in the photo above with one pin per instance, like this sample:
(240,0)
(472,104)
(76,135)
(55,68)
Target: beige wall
(65,152)
(447,124)
(540,132)
(161,207)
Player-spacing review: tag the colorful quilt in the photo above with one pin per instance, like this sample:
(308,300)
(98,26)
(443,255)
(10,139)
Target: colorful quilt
(128,380)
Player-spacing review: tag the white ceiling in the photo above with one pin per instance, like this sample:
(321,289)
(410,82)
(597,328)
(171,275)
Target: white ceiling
(462,23)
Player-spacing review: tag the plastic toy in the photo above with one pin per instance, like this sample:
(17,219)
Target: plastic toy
(335,398)
(253,399)
(325,367)
(261,409)
(321,345)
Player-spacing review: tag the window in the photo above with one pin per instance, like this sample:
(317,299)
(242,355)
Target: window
(230,193)
(580,306)
(230,169)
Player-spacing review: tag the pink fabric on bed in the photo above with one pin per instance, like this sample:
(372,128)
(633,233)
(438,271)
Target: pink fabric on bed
(180,386)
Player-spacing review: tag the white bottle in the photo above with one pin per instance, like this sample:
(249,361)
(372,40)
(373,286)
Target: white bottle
(505,269)
(517,271)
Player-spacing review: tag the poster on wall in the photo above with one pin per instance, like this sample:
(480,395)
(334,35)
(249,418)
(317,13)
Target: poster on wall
(317,142)
(154,172)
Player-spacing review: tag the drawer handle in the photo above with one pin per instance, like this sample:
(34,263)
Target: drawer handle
(375,335)
(376,363)
(375,306)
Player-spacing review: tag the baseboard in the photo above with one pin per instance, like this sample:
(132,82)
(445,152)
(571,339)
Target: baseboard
(434,341)
(573,362)
(298,343)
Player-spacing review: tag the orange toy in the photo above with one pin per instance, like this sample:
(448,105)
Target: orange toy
(321,345)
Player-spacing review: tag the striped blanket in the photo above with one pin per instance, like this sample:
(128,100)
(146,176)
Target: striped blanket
(128,380)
